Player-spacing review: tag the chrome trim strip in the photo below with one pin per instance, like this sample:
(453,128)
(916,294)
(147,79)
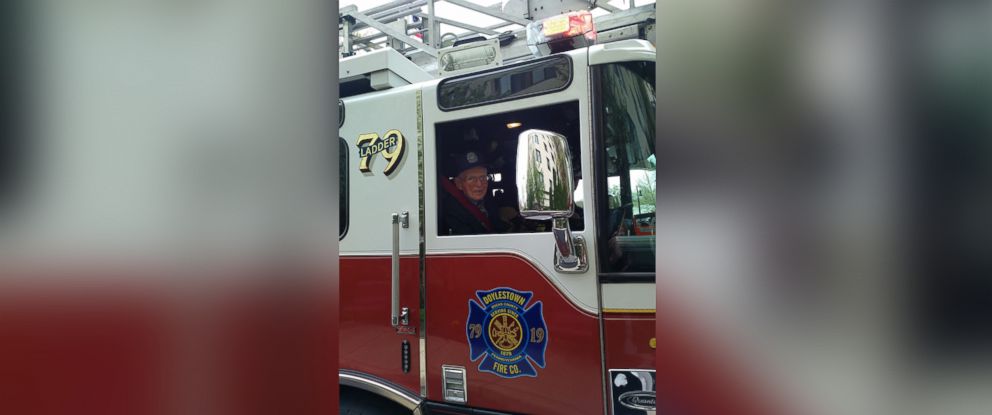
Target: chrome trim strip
(629,311)
(603,373)
(423,242)
(379,387)
(394,302)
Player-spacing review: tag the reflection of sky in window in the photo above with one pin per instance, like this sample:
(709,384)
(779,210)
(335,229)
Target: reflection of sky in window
(538,76)
(504,85)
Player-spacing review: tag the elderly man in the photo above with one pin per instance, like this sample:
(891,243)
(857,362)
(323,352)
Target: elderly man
(466,207)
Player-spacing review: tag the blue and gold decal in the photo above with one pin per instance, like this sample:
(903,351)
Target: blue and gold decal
(511,338)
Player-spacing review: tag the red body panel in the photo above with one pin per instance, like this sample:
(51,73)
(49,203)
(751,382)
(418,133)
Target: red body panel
(628,340)
(368,343)
(571,381)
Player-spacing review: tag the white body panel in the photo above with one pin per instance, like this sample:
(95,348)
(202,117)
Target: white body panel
(381,61)
(624,50)
(373,197)
(629,297)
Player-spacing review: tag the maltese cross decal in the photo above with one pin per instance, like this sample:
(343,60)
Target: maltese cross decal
(509,338)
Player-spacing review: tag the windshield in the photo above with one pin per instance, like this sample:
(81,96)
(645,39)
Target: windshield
(627,181)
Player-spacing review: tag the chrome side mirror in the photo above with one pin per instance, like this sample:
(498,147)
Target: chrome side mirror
(544,187)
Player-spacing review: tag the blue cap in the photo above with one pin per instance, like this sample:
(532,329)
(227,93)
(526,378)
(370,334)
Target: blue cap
(469,160)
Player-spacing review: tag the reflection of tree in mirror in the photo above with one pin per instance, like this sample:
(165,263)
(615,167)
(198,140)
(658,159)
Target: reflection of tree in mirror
(559,194)
(560,181)
(535,189)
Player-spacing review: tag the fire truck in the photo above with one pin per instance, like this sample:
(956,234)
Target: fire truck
(555,312)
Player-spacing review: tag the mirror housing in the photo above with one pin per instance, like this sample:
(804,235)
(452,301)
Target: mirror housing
(545,188)
(544,176)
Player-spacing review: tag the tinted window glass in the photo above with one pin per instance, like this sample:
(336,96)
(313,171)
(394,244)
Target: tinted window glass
(504,84)
(627,109)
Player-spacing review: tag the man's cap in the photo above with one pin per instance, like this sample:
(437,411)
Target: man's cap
(468,160)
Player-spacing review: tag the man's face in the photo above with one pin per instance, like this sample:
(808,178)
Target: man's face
(473,183)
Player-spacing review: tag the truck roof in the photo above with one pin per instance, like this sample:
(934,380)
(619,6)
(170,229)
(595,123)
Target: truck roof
(381,79)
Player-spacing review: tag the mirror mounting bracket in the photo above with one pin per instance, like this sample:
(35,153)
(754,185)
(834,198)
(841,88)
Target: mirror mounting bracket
(574,259)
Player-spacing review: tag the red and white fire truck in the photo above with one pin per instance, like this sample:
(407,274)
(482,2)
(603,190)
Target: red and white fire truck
(555,315)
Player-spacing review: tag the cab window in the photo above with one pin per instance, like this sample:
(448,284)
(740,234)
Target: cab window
(490,142)
(626,183)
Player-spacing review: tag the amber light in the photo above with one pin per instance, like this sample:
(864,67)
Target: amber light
(570,25)
(556,25)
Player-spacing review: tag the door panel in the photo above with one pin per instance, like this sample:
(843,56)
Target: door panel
(569,382)
(538,248)
(509,366)
(368,343)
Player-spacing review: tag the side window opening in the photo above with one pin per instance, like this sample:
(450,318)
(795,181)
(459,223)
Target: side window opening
(343,188)
(627,168)
(491,142)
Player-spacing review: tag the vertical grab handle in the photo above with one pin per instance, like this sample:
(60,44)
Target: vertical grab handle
(395,294)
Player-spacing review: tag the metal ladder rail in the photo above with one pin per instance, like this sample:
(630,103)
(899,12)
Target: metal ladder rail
(384,20)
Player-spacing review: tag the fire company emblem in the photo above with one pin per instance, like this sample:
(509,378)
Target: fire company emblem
(509,338)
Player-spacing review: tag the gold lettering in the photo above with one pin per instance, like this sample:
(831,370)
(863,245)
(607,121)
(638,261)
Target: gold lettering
(503,295)
(395,138)
(366,153)
(500,368)
(370,144)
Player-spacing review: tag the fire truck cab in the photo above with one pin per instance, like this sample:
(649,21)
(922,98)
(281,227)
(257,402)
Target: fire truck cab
(548,310)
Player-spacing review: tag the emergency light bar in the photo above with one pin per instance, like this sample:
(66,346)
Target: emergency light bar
(469,57)
(561,33)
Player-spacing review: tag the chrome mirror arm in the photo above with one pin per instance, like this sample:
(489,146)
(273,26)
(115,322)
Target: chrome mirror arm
(570,252)
(563,241)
